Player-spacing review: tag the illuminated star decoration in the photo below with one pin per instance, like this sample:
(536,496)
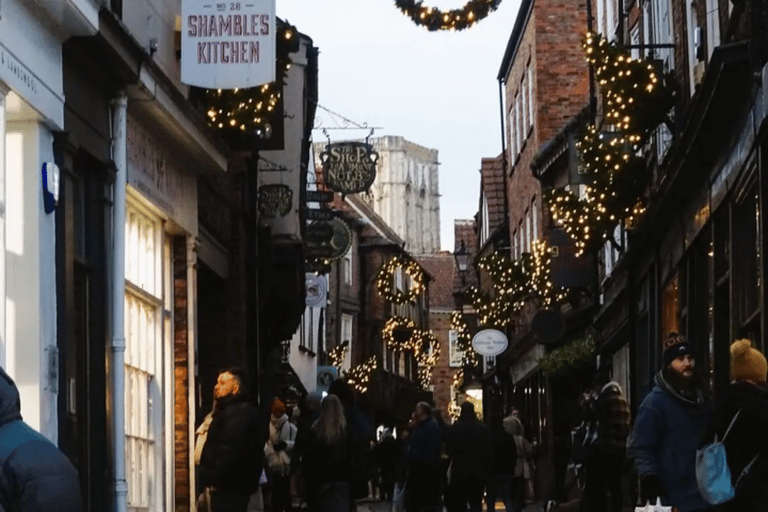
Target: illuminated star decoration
(637,98)
(239,113)
(510,289)
(434,19)
(360,376)
(385,280)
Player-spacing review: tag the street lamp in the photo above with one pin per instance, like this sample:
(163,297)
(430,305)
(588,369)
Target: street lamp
(462,258)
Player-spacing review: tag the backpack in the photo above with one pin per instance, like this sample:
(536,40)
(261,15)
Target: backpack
(713,475)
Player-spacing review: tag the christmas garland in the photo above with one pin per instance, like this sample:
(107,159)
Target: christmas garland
(563,360)
(455,19)
(338,353)
(239,114)
(637,98)
(385,280)
(399,323)
(360,376)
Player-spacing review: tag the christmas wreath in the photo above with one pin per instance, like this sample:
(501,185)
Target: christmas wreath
(385,281)
(455,19)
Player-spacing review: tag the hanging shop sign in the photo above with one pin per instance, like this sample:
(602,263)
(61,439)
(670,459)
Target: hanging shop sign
(337,246)
(490,342)
(316,291)
(325,377)
(275,200)
(228,45)
(349,167)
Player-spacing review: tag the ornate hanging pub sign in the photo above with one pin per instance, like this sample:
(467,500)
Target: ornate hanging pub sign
(349,167)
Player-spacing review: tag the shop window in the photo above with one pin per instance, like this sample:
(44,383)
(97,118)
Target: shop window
(148,329)
(670,307)
(746,243)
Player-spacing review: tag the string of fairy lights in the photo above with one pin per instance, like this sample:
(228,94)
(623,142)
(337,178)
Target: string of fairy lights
(386,282)
(637,98)
(359,377)
(338,354)
(239,113)
(434,19)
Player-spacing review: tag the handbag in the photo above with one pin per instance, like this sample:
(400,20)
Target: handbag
(713,475)
(658,507)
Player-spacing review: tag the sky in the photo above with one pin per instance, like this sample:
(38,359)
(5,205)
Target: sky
(436,89)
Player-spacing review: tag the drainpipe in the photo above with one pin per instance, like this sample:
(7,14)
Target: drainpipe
(119,157)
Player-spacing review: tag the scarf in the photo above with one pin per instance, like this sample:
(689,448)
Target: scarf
(693,399)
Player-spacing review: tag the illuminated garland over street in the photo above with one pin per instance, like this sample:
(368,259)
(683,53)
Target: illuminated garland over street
(239,113)
(456,19)
(385,280)
(424,345)
(360,376)
(338,354)
(637,99)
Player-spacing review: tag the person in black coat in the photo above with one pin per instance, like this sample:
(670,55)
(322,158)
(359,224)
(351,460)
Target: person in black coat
(233,454)
(35,475)
(747,440)
(503,468)
(470,448)
(422,488)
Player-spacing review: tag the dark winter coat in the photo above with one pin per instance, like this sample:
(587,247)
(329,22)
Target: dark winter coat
(611,411)
(425,443)
(668,429)
(470,447)
(746,439)
(233,454)
(504,453)
(35,475)
(324,463)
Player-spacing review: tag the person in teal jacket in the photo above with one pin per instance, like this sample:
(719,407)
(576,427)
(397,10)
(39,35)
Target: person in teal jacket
(34,476)
(670,424)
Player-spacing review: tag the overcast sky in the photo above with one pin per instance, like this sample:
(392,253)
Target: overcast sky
(437,89)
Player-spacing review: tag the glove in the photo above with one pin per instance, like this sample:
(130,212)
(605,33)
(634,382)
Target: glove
(650,489)
(280,446)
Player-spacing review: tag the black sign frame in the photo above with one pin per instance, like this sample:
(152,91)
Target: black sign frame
(349,167)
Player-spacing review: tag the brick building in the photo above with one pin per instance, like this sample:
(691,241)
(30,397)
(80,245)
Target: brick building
(442,267)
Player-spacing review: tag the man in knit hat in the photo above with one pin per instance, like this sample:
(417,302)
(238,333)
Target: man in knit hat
(670,424)
(746,442)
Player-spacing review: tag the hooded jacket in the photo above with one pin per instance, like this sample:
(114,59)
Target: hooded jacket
(668,429)
(35,475)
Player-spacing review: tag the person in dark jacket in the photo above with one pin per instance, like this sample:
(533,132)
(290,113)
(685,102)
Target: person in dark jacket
(669,427)
(35,475)
(387,453)
(605,458)
(469,446)
(233,454)
(503,469)
(746,442)
(423,485)
(309,408)
(327,461)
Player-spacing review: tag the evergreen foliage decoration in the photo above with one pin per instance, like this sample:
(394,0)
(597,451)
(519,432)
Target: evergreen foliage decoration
(560,362)
(637,97)
(239,114)
(434,19)
(359,377)
(338,353)
(385,280)
(514,283)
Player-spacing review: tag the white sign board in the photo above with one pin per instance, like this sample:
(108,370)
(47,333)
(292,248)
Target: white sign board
(490,342)
(228,45)
(316,291)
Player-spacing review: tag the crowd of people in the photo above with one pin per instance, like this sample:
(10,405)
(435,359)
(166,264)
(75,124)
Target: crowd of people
(324,454)
(674,421)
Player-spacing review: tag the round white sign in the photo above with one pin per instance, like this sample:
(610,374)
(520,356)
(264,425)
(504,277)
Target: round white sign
(490,342)
(316,292)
